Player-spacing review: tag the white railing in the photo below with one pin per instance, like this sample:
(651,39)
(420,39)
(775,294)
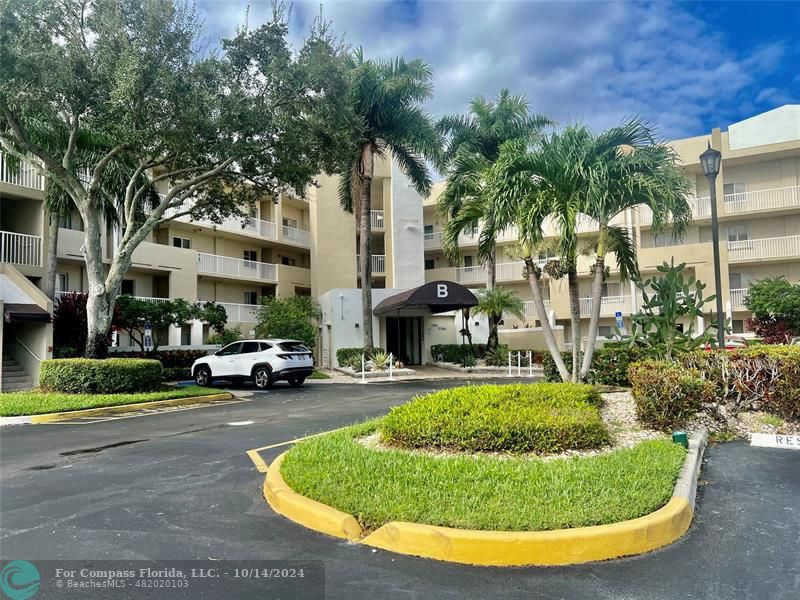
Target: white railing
(608,306)
(61,294)
(471,274)
(701,208)
(244,225)
(508,235)
(20,249)
(510,271)
(529,311)
(376,219)
(25,176)
(777,247)
(378,264)
(298,236)
(785,197)
(737,298)
(433,239)
(238,313)
(226,266)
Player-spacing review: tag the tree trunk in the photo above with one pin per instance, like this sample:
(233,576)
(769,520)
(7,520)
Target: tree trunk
(99,303)
(51,260)
(541,314)
(575,319)
(492,341)
(365,249)
(594,322)
(491,269)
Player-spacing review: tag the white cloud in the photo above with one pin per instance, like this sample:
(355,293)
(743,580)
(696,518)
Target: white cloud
(594,62)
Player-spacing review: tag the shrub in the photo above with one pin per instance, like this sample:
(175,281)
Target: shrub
(226,336)
(351,357)
(667,394)
(176,374)
(500,418)
(293,318)
(106,376)
(609,364)
(170,359)
(499,356)
(454,353)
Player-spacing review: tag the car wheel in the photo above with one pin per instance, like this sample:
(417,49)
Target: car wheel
(296,381)
(262,377)
(202,376)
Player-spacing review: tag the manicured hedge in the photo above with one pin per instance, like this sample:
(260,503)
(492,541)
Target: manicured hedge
(667,394)
(351,357)
(455,353)
(170,359)
(546,417)
(758,378)
(107,376)
(609,365)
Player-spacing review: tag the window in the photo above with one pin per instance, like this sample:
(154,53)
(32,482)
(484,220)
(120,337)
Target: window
(289,261)
(737,325)
(604,331)
(65,221)
(468,261)
(251,297)
(739,232)
(180,242)
(429,264)
(250,255)
(128,287)
(735,281)
(611,288)
(734,191)
(662,239)
(264,346)
(290,223)
(428,232)
(62,282)
(230,349)
(249,347)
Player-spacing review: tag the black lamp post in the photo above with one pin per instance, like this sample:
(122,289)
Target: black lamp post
(710,159)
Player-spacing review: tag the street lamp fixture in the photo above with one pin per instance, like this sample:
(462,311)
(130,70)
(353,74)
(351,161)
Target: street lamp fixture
(710,160)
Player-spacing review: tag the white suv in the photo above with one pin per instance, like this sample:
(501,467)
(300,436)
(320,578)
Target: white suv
(263,361)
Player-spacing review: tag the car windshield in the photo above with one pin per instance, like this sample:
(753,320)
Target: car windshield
(293,347)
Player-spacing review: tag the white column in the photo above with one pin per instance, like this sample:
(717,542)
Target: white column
(174,336)
(196,336)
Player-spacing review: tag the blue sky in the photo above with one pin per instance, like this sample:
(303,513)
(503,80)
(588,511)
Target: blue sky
(685,66)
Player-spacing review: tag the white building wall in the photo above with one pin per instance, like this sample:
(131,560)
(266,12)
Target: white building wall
(408,253)
(772,127)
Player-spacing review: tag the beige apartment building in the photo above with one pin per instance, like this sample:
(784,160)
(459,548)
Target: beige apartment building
(308,246)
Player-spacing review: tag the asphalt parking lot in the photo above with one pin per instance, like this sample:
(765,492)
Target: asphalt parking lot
(179,485)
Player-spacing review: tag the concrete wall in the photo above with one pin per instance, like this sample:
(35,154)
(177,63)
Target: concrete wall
(406,233)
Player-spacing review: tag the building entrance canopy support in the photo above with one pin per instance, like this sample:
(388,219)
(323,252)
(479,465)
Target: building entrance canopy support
(434,297)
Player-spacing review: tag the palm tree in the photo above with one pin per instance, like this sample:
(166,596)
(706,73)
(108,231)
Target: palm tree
(494,303)
(386,98)
(573,176)
(472,144)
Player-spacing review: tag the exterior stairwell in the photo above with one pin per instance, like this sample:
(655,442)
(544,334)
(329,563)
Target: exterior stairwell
(14,377)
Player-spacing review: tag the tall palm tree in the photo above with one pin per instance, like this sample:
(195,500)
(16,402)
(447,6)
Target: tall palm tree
(386,97)
(494,303)
(472,144)
(573,176)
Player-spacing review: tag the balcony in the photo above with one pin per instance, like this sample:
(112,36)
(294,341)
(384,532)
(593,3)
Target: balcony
(737,299)
(777,198)
(376,219)
(433,240)
(701,209)
(469,275)
(26,175)
(378,264)
(529,311)
(510,271)
(296,236)
(61,294)
(20,249)
(238,313)
(224,266)
(764,249)
(608,306)
(244,225)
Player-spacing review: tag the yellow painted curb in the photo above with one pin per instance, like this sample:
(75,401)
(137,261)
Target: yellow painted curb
(309,513)
(517,548)
(123,408)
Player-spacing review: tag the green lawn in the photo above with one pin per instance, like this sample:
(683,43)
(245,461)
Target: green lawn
(38,402)
(481,492)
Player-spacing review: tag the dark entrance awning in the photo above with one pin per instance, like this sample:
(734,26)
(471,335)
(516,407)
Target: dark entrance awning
(25,312)
(436,296)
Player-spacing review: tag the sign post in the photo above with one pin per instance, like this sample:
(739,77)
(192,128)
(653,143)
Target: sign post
(148,337)
(620,322)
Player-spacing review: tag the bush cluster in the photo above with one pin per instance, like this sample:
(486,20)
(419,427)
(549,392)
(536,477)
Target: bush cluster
(757,378)
(351,357)
(609,365)
(667,394)
(177,363)
(107,376)
(228,335)
(543,418)
(454,353)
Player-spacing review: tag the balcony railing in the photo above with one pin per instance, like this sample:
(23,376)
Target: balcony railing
(433,239)
(529,311)
(213,264)
(61,294)
(765,248)
(785,197)
(20,249)
(608,306)
(244,225)
(471,274)
(298,236)
(510,271)
(376,219)
(737,299)
(239,313)
(25,176)
(701,208)
(378,264)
